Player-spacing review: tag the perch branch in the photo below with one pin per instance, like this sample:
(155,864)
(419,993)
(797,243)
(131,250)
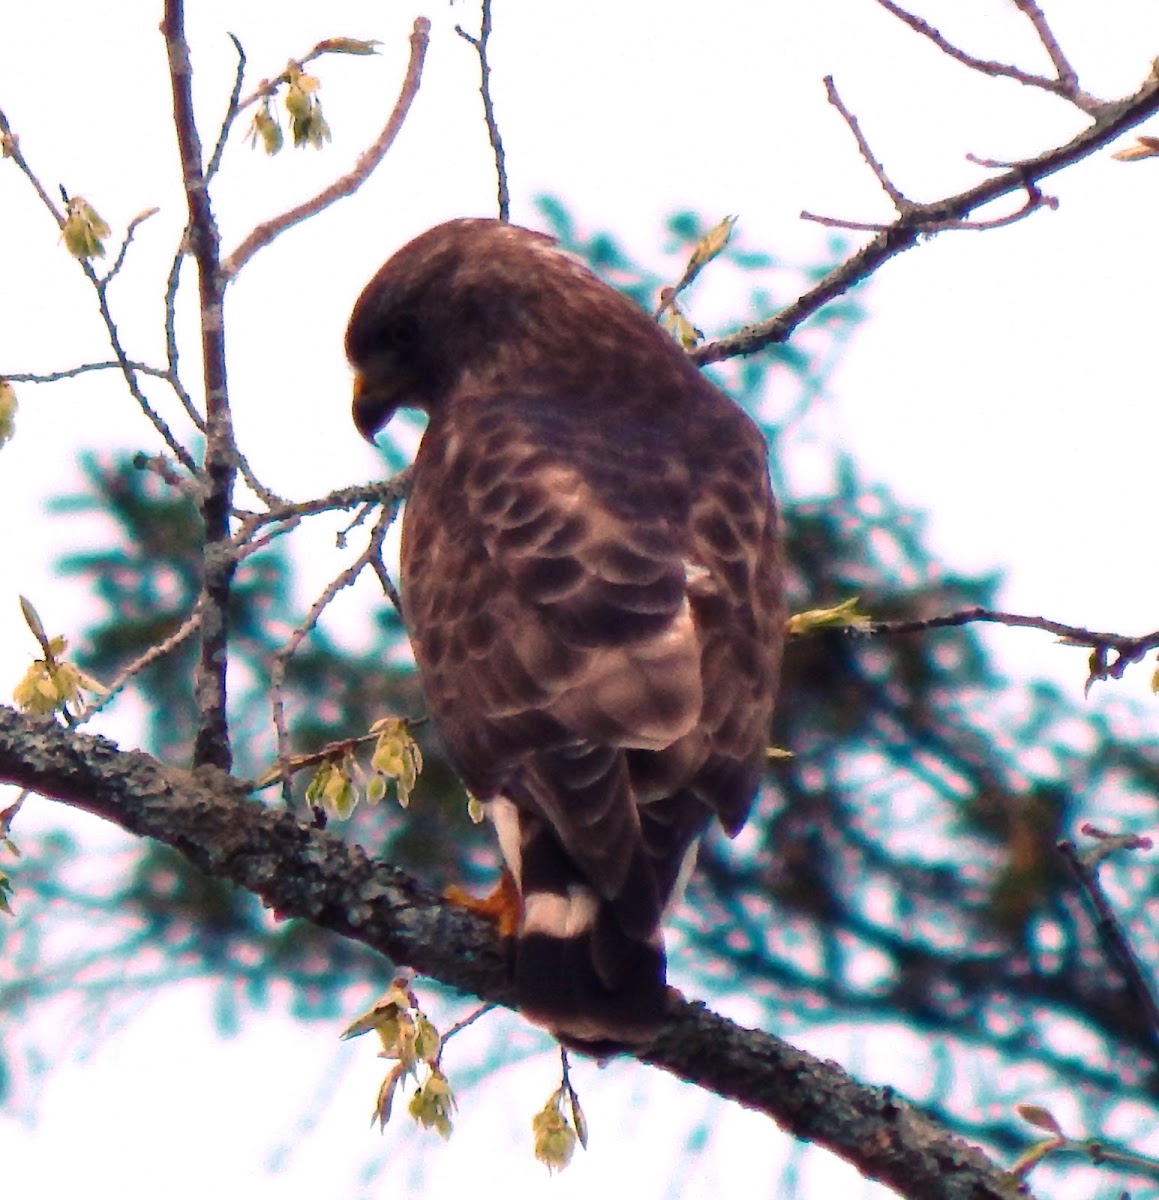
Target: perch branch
(315,876)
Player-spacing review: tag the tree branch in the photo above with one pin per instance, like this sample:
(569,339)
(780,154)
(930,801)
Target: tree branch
(307,873)
(265,233)
(480,44)
(947,214)
(1127,650)
(1115,940)
(211,745)
(1064,85)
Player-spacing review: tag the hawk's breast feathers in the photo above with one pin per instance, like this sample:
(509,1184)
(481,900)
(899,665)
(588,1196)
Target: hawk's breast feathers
(592,588)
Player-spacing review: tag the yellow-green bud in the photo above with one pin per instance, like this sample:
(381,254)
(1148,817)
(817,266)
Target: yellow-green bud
(8,408)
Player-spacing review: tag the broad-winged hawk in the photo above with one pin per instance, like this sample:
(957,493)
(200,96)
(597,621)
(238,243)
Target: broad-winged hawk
(592,586)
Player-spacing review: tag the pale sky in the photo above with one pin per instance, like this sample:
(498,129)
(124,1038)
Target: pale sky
(1003,383)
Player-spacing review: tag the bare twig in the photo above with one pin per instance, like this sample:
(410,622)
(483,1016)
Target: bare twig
(480,44)
(1126,649)
(459,1026)
(83,369)
(12,150)
(282,657)
(1065,85)
(172,353)
(267,231)
(150,656)
(1115,941)
(114,270)
(844,223)
(1112,120)
(1067,75)
(900,201)
(1034,201)
(286,515)
(231,111)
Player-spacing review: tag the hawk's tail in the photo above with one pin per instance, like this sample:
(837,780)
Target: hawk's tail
(578,974)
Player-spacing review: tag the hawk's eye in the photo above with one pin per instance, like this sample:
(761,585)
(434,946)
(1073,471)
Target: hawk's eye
(401,334)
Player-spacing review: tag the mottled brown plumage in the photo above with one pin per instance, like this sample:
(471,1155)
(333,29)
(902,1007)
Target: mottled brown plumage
(592,587)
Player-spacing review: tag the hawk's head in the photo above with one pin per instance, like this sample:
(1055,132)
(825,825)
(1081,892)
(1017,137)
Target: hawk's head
(474,301)
(439,308)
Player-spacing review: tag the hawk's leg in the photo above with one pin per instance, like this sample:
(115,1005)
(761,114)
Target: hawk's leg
(504,906)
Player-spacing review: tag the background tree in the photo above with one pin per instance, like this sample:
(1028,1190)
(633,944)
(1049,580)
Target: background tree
(839,903)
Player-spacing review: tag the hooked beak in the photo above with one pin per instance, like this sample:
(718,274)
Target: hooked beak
(370,412)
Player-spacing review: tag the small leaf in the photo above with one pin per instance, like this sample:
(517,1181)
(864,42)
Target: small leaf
(1144,147)
(348,46)
(843,615)
(553,1139)
(1041,1118)
(33,621)
(709,246)
(265,127)
(83,230)
(8,408)
(433,1103)
(385,1099)
(681,327)
(577,1117)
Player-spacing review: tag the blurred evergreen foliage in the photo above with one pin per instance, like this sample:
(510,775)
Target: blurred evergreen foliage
(900,868)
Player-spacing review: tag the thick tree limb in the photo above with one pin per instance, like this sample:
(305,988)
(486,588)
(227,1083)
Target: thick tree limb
(300,871)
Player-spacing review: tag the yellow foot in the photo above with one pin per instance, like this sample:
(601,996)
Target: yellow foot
(504,906)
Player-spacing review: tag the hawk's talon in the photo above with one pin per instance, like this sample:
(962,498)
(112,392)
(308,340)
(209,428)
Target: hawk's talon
(503,907)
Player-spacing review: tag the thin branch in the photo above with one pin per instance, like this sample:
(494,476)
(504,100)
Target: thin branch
(211,746)
(282,657)
(159,465)
(1066,85)
(83,369)
(901,202)
(1114,938)
(114,270)
(1067,75)
(172,353)
(150,656)
(12,150)
(1127,650)
(1034,201)
(480,44)
(481,1011)
(905,232)
(266,232)
(231,111)
(308,873)
(389,491)
(130,377)
(268,87)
